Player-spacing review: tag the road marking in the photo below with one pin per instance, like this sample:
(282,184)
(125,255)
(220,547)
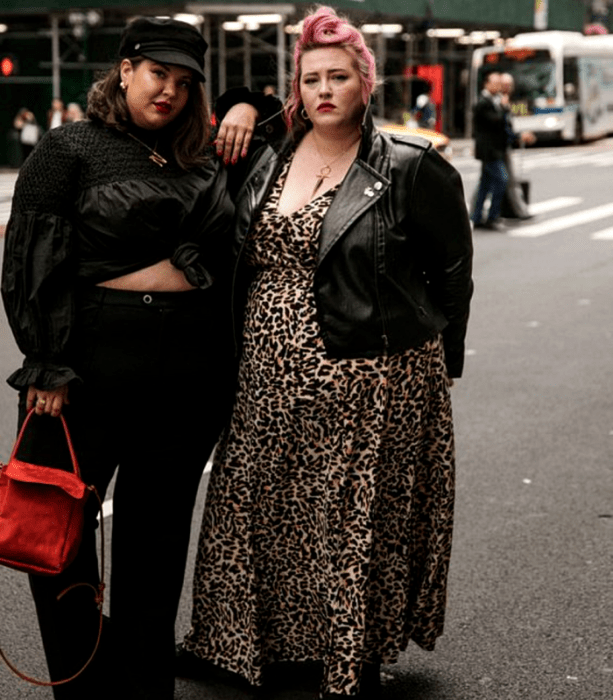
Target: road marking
(553,204)
(541,207)
(107,506)
(605,235)
(563,222)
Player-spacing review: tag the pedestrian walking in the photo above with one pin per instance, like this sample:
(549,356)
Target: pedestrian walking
(74,113)
(327,526)
(29,131)
(56,115)
(491,138)
(113,287)
(514,204)
(424,111)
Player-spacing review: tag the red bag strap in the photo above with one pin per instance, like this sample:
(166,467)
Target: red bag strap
(98,591)
(73,456)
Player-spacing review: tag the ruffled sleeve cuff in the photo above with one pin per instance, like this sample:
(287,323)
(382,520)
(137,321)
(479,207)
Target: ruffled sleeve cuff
(187,259)
(44,376)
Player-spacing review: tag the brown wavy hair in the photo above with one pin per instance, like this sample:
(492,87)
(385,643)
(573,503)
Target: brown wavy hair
(106,104)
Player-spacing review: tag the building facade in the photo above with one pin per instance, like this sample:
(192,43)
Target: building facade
(56,49)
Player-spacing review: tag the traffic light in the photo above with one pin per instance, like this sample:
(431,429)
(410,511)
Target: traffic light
(8,65)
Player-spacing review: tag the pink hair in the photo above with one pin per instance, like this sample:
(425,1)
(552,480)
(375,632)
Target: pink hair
(323,29)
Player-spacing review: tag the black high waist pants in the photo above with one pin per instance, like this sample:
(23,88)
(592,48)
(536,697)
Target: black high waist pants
(157,387)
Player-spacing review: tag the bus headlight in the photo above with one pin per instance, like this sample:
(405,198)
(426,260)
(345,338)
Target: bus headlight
(553,123)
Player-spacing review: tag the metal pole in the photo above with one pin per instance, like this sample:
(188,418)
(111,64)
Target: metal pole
(408,66)
(247,58)
(55,57)
(221,59)
(281,70)
(293,38)
(468,113)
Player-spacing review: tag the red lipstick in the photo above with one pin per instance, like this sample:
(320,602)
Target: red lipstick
(326,107)
(163,107)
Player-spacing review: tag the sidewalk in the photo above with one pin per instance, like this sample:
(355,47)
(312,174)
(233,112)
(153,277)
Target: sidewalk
(7,185)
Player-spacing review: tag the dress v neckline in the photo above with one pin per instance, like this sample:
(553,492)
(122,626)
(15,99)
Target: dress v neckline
(281,184)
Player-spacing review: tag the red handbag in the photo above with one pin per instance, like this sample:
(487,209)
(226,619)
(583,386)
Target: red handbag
(41,512)
(41,523)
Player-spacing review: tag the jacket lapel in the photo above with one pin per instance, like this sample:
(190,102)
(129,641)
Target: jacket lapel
(361,189)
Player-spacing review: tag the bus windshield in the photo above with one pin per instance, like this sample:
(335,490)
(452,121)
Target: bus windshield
(532,69)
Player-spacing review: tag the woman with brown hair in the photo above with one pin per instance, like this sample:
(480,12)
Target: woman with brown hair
(327,527)
(113,283)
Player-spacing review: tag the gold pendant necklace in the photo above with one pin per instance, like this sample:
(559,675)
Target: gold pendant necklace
(326,170)
(324,173)
(155,157)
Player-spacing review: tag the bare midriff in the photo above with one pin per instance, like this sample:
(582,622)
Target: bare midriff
(161,277)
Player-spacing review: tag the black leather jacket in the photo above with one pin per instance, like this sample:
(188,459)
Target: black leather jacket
(395,250)
(490,126)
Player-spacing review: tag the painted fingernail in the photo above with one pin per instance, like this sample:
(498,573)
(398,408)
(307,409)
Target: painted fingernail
(234,160)
(244,153)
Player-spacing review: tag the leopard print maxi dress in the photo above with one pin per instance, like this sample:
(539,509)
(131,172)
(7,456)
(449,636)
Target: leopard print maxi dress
(327,527)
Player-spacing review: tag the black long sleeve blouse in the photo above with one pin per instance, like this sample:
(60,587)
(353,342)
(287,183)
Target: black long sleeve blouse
(90,206)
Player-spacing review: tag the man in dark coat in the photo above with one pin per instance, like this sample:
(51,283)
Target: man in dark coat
(491,138)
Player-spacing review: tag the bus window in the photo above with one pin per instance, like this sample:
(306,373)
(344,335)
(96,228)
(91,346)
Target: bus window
(533,72)
(571,79)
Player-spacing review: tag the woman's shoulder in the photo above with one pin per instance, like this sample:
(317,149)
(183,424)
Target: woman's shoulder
(405,143)
(71,142)
(70,131)
(50,175)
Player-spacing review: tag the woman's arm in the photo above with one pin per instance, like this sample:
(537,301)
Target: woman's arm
(235,133)
(38,271)
(238,112)
(439,211)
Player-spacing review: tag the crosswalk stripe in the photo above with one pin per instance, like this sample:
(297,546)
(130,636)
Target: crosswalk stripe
(563,222)
(605,235)
(553,204)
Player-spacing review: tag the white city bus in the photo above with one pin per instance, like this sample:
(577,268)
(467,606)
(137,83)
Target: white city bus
(563,82)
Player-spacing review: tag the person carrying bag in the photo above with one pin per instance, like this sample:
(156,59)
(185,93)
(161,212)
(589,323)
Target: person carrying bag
(41,525)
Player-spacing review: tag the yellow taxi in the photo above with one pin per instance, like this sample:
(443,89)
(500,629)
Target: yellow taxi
(440,141)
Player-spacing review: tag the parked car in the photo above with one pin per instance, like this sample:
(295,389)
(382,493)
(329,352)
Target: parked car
(440,141)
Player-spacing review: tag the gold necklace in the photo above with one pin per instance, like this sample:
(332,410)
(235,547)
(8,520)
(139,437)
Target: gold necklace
(155,156)
(326,169)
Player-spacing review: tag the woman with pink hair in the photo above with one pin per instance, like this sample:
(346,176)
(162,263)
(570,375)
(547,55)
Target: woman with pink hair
(327,528)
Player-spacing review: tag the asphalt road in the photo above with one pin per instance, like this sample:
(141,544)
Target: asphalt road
(531,595)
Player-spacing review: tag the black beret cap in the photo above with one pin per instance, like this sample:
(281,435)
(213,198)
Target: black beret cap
(165,41)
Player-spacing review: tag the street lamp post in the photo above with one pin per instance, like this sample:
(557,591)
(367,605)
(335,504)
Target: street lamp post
(55,57)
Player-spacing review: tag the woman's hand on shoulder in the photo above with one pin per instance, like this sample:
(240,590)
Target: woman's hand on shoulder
(235,132)
(50,402)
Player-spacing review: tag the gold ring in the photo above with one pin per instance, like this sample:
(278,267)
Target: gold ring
(42,402)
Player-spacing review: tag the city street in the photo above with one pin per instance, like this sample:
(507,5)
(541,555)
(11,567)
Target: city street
(531,587)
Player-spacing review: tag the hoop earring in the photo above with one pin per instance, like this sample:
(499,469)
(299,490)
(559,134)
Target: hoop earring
(304,115)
